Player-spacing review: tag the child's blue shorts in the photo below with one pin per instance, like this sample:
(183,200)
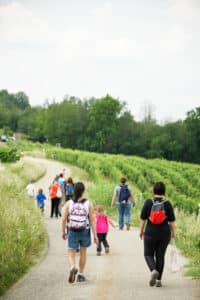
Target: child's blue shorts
(79,239)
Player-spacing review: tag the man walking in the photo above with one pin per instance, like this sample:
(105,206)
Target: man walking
(124,200)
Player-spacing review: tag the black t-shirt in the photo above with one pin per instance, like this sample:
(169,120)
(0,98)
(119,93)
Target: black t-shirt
(157,228)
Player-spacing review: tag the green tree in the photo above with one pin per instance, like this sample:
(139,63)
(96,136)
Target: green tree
(103,116)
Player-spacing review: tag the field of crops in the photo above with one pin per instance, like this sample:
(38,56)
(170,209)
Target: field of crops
(182,180)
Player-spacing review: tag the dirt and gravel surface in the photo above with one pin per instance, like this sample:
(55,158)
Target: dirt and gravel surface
(120,275)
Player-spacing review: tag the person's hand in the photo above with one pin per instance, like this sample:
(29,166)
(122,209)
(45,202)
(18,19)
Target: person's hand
(96,241)
(141,234)
(64,236)
(173,236)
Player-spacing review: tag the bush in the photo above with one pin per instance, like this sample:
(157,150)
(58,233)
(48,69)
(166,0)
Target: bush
(9,154)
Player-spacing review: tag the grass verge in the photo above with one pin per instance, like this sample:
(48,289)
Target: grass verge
(22,233)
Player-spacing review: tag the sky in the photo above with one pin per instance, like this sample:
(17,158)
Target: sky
(144,52)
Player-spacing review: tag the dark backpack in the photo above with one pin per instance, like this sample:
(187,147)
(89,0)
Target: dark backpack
(157,213)
(124,194)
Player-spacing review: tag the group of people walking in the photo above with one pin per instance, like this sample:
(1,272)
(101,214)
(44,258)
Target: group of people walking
(80,218)
(156,229)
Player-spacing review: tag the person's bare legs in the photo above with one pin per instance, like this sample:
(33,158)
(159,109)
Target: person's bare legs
(82,260)
(73,269)
(71,257)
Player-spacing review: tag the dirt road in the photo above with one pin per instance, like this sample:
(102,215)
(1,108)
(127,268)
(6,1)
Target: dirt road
(120,275)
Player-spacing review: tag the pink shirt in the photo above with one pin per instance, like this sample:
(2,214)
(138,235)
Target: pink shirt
(101,224)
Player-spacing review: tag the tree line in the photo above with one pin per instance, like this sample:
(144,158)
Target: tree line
(101,125)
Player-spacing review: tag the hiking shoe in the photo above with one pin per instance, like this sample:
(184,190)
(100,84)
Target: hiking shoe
(154,276)
(81,278)
(158,283)
(72,275)
(107,250)
(128,226)
(98,253)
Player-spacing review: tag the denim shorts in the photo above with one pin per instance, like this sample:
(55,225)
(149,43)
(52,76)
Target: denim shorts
(79,239)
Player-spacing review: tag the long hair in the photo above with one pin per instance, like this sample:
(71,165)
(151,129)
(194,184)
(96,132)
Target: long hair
(70,180)
(79,189)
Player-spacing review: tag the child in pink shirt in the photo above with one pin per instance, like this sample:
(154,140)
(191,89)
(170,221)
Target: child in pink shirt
(102,227)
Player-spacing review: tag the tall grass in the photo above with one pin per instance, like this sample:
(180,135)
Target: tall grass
(22,234)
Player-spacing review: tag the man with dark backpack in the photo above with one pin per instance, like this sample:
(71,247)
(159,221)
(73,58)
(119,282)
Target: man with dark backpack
(124,200)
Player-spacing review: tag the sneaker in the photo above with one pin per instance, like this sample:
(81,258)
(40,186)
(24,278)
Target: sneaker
(107,250)
(158,283)
(98,253)
(154,276)
(81,278)
(128,226)
(72,275)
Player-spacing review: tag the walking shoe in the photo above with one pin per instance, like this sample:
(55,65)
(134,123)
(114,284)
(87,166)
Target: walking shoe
(98,253)
(154,276)
(81,278)
(158,283)
(107,250)
(72,275)
(128,226)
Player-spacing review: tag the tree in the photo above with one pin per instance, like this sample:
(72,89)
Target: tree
(103,116)
(22,100)
(192,123)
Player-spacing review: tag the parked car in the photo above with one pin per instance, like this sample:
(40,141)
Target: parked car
(4,138)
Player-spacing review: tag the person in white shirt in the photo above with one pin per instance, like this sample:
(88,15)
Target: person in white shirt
(31,189)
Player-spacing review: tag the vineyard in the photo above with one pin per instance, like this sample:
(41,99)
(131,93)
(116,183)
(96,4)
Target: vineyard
(182,180)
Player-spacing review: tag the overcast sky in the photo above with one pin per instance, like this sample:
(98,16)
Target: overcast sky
(140,51)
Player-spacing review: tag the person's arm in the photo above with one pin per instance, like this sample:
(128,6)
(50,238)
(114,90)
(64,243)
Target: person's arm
(111,223)
(114,199)
(65,212)
(142,224)
(172,227)
(92,223)
(133,199)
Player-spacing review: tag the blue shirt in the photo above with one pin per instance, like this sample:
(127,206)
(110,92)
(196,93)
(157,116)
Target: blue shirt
(40,199)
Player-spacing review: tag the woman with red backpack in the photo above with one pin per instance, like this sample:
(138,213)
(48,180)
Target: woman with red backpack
(159,215)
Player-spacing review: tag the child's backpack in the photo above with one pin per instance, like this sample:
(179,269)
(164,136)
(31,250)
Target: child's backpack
(78,215)
(124,194)
(157,213)
(69,189)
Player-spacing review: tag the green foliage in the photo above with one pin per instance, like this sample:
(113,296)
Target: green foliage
(22,230)
(102,125)
(9,154)
(188,239)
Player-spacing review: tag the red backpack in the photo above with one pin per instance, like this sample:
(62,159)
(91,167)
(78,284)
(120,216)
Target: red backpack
(157,214)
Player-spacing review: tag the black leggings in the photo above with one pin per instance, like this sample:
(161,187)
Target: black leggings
(102,239)
(154,252)
(54,206)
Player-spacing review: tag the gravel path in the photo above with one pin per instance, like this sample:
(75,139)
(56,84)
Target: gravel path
(120,275)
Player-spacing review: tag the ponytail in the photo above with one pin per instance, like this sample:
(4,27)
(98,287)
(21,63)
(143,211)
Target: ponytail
(79,189)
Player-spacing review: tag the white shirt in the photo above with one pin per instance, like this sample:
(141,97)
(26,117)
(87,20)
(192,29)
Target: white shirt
(30,189)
